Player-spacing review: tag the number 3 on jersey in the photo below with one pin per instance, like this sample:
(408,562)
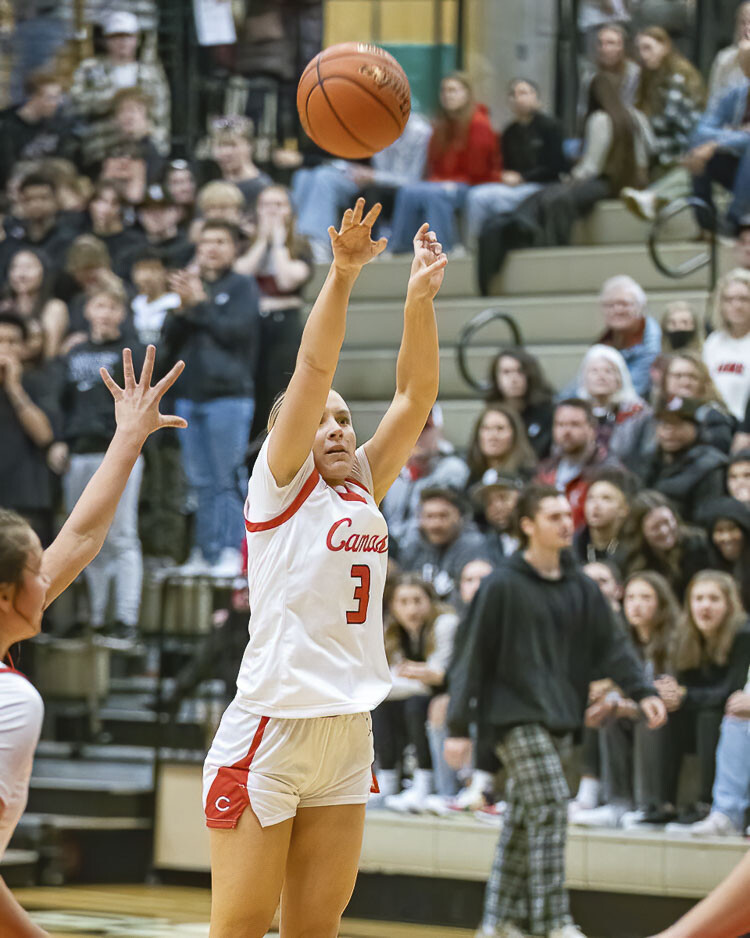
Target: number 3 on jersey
(361,572)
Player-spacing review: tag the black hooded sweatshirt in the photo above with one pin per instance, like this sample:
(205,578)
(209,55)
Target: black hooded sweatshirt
(729,509)
(531,646)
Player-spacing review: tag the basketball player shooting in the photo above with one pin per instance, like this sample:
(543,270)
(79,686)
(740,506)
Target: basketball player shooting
(289,772)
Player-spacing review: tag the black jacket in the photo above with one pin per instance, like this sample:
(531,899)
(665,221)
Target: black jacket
(530,648)
(709,685)
(729,509)
(535,150)
(693,476)
(218,340)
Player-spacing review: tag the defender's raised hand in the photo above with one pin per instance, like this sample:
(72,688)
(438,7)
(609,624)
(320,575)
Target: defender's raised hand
(352,244)
(428,266)
(137,403)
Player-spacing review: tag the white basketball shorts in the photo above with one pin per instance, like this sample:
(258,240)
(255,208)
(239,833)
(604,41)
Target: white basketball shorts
(275,766)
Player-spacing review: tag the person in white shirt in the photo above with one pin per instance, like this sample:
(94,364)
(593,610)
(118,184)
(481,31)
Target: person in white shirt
(726,351)
(31,578)
(288,775)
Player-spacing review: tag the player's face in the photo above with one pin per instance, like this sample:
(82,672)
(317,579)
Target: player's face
(552,527)
(23,604)
(335,441)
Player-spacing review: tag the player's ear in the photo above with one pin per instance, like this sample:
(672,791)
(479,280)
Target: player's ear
(7,596)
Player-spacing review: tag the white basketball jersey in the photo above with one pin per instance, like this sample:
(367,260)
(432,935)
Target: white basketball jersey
(317,562)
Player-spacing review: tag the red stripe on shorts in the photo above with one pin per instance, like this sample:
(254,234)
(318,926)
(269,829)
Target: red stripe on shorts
(255,526)
(228,796)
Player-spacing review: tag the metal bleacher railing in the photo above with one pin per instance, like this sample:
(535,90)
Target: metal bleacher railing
(475,325)
(708,257)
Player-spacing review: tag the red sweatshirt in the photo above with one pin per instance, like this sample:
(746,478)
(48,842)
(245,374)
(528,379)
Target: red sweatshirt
(475,160)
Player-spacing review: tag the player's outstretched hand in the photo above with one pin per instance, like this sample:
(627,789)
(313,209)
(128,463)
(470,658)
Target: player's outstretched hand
(137,403)
(428,266)
(352,244)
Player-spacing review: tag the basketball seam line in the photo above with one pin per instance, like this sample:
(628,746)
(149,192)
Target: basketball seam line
(372,94)
(356,139)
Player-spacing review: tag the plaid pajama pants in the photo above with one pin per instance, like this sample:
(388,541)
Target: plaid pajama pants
(527,882)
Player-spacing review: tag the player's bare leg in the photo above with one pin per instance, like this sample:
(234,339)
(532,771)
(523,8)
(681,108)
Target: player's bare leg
(247,865)
(321,870)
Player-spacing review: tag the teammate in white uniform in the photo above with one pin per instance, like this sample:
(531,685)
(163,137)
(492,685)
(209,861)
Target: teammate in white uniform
(289,772)
(31,578)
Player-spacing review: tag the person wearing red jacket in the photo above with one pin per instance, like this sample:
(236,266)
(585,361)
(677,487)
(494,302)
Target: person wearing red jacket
(464,151)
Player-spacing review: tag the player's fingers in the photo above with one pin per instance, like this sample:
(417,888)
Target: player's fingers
(346,221)
(114,388)
(380,246)
(431,236)
(148,367)
(169,378)
(332,233)
(170,420)
(372,216)
(438,264)
(127,368)
(420,235)
(437,248)
(359,207)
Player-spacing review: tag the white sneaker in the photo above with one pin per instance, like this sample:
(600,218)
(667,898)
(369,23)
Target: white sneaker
(439,805)
(407,802)
(606,815)
(229,564)
(715,825)
(505,930)
(575,807)
(195,565)
(640,202)
(566,931)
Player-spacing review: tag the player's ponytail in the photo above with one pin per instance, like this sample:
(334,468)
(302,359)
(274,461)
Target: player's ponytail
(14,545)
(275,410)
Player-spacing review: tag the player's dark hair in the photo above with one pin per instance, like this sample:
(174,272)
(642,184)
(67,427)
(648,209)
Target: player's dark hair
(14,545)
(528,507)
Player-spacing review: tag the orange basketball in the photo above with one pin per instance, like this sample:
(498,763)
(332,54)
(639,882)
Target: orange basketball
(353,99)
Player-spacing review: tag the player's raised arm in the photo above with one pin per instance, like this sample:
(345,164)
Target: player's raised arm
(305,399)
(137,414)
(418,368)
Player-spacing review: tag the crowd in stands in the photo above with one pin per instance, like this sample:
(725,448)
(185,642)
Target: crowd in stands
(107,242)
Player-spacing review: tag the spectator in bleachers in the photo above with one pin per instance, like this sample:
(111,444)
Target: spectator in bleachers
(498,441)
(34,129)
(532,155)
(125,165)
(463,152)
(721,152)
(42,225)
(604,381)
(575,455)
(319,192)
(725,70)
(680,329)
(106,212)
(628,329)
(88,268)
(681,467)
(443,543)
(610,58)
(158,218)
(730,798)
(97,80)
(496,495)
(712,657)
(28,418)
(516,379)
(179,183)
(432,463)
(726,351)
(738,476)
(130,112)
(29,295)
(88,424)
(727,522)
(281,262)
(419,636)
(608,578)
(671,95)
(595,15)
(631,785)
(656,539)
(153,300)
(742,245)
(605,510)
(215,331)
(232,148)
(219,199)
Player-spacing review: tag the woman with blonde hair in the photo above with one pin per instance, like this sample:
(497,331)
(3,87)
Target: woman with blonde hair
(499,441)
(711,658)
(726,351)
(725,70)
(419,633)
(680,328)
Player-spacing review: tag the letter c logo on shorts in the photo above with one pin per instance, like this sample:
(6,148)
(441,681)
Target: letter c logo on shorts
(220,806)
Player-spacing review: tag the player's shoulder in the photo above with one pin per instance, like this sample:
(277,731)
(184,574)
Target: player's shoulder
(20,701)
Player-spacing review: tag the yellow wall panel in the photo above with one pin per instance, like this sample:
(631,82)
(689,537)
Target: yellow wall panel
(393,20)
(348,21)
(412,21)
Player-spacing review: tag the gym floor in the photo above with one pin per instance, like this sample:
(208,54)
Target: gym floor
(164,912)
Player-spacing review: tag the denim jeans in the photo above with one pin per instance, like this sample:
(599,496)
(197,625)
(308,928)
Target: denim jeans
(213,456)
(491,199)
(732,171)
(420,202)
(318,196)
(120,560)
(731,793)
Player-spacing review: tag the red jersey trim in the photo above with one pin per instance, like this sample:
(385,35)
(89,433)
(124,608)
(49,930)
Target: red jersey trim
(228,796)
(359,485)
(350,496)
(312,480)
